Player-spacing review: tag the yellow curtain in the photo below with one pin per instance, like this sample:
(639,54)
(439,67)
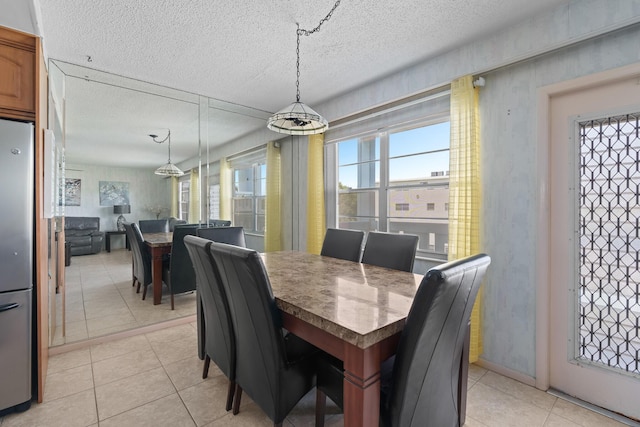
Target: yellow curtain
(315,194)
(225,190)
(174,197)
(273,228)
(464,188)
(194,197)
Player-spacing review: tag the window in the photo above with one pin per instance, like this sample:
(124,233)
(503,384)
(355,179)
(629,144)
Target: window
(397,181)
(214,201)
(249,192)
(183,195)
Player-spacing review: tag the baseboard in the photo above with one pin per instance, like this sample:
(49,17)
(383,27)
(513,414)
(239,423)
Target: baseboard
(509,373)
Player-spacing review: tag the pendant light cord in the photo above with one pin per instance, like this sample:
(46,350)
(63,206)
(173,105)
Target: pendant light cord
(303,32)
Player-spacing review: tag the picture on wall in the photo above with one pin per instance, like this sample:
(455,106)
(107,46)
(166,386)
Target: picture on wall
(72,192)
(113,193)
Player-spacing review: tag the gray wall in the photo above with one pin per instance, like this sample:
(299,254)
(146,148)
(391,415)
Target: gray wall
(145,189)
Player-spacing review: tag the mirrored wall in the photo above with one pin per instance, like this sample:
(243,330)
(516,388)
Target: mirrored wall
(101,123)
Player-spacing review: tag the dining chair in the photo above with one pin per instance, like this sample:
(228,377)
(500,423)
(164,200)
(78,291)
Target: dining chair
(140,257)
(275,368)
(228,235)
(343,243)
(421,384)
(154,225)
(219,223)
(173,221)
(390,250)
(220,340)
(179,274)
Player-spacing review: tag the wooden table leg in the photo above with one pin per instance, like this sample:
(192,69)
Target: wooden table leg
(156,274)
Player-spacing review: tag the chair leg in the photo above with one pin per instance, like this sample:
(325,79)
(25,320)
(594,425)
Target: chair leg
(205,370)
(144,292)
(277,424)
(321,407)
(236,400)
(133,282)
(138,288)
(171,301)
(230,392)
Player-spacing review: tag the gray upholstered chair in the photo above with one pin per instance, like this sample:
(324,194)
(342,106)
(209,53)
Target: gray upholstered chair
(220,340)
(173,221)
(154,225)
(343,244)
(179,274)
(276,369)
(140,256)
(219,223)
(230,236)
(390,250)
(422,383)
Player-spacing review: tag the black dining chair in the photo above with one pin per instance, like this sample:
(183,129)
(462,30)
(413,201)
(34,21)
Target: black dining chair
(179,274)
(343,244)
(275,368)
(390,250)
(230,236)
(219,223)
(154,225)
(220,339)
(140,257)
(421,384)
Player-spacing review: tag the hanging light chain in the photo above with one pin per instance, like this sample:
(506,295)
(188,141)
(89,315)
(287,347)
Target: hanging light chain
(303,32)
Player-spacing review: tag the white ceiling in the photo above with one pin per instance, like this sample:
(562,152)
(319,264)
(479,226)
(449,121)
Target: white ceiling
(243,51)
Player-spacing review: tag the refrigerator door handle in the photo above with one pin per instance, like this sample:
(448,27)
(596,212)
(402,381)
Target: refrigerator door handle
(10,306)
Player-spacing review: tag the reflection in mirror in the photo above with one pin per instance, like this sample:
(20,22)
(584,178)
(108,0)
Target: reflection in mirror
(103,121)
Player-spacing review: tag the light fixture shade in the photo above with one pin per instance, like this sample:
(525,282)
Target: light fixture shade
(169,170)
(121,209)
(298,119)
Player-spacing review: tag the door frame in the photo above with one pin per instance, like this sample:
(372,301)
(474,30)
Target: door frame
(543,221)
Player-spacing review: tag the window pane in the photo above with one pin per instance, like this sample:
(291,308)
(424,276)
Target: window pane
(422,167)
(363,175)
(429,138)
(358,210)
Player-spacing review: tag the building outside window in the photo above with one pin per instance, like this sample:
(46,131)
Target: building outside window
(397,181)
(183,198)
(249,197)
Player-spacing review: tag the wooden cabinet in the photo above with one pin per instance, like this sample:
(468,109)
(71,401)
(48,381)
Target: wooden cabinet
(17,75)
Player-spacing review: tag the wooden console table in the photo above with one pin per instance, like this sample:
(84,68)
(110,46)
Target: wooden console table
(108,235)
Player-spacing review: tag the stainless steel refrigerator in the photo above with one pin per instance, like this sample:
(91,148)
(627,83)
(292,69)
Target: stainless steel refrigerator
(16,263)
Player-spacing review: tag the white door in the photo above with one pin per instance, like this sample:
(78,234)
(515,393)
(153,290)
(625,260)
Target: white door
(594,245)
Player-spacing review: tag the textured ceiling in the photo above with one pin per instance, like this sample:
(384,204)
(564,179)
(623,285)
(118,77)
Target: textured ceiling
(243,51)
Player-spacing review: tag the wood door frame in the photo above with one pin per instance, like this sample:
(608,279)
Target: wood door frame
(543,223)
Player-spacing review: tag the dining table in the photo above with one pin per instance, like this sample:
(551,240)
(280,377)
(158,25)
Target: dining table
(159,244)
(353,311)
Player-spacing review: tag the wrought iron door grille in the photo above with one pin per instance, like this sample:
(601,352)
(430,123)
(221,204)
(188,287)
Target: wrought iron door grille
(609,269)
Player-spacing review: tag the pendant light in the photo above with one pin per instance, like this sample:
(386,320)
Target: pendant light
(169,169)
(298,118)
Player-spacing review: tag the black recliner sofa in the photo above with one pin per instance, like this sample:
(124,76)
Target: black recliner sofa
(83,234)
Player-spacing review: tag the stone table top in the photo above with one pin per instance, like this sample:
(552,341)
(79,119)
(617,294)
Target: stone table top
(359,303)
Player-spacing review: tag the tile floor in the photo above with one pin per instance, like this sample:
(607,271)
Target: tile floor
(100,299)
(155,379)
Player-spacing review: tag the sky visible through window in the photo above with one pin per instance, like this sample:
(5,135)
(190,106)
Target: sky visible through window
(428,138)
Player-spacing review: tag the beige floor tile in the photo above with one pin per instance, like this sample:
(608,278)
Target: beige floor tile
(109,308)
(172,334)
(173,351)
(496,408)
(119,347)
(582,416)
(250,416)
(188,372)
(71,411)
(518,390)
(94,326)
(470,422)
(304,414)
(476,372)
(75,329)
(206,401)
(128,393)
(557,421)
(123,366)
(68,382)
(167,411)
(71,359)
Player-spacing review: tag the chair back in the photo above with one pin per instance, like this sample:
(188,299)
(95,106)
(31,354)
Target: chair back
(228,235)
(343,244)
(173,221)
(427,365)
(154,225)
(140,254)
(220,339)
(182,277)
(219,223)
(260,351)
(390,250)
